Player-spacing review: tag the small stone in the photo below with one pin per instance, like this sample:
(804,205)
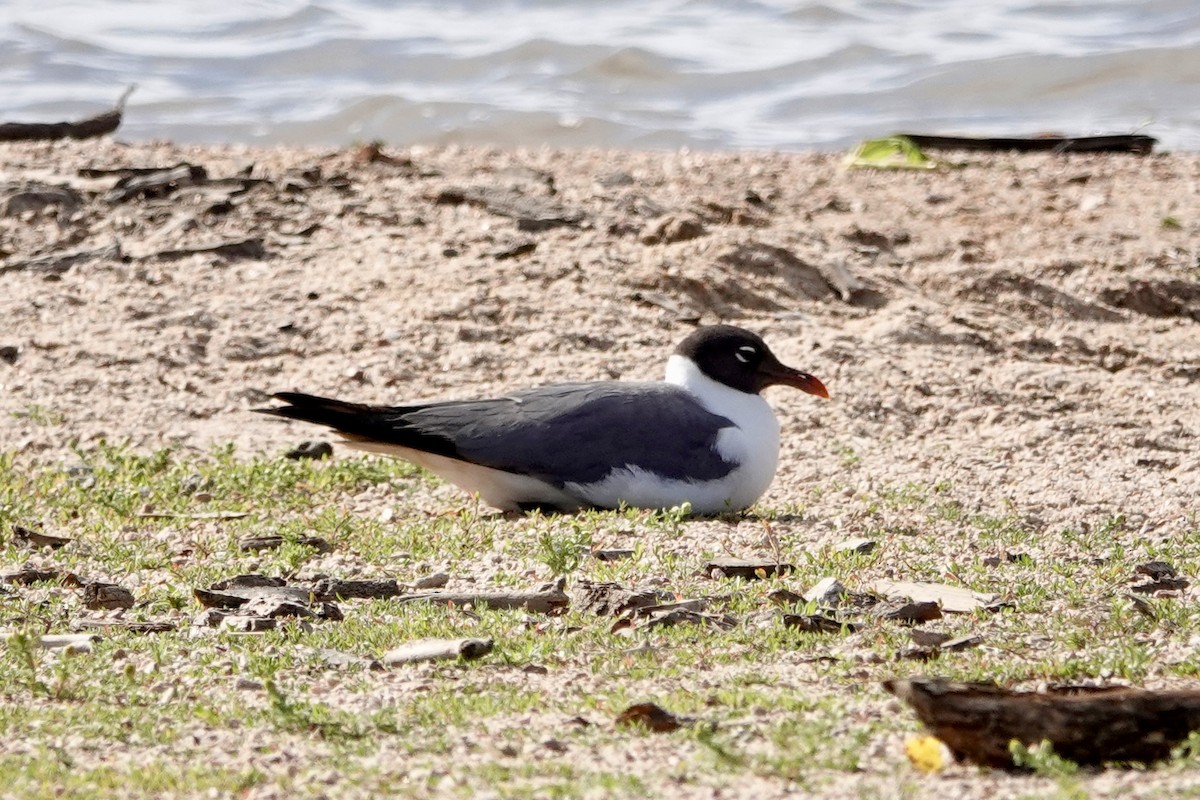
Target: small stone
(828,592)
(248,685)
(860,546)
(9,353)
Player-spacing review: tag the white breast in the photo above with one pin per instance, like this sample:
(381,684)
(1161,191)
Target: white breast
(753,443)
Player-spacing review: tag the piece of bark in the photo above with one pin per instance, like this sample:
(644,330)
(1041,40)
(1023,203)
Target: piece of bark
(437,650)
(250,581)
(687,612)
(1156,570)
(61,264)
(157,183)
(908,611)
(255,544)
(106,596)
(252,248)
(613,599)
(1137,144)
(817,623)
(542,601)
(1164,585)
(35,538)
(978,720)
(132,626)
(336,588)
(28,575)
(653,717)
(532,214)
(745,568)
(88,128)
(952,599)
(785,597)
(237,597)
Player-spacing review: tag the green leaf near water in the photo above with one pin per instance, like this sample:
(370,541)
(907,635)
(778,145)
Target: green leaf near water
(891,152)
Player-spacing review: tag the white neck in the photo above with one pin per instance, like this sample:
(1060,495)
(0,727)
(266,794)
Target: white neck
(713,395)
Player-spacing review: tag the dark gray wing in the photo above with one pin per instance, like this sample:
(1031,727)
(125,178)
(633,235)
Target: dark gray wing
(568,433)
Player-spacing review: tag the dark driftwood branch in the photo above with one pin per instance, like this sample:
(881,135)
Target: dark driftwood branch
(88,128)
(977,721)
(1121,143)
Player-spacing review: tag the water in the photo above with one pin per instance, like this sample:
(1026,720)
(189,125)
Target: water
(621,73)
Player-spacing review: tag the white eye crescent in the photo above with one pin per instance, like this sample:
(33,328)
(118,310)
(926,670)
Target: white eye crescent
(745,349)
(741,358)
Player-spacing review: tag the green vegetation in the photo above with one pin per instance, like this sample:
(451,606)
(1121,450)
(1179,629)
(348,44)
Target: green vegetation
(208,711)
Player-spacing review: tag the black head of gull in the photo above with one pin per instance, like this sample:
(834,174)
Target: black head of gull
(702,436)
(740,359)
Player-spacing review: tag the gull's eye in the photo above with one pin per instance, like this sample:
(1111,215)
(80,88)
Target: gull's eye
(743,353)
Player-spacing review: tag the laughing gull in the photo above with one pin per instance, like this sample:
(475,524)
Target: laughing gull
(704,435)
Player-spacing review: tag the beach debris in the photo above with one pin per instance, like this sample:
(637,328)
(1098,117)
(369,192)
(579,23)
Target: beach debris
(605,598)
(254,544)
(38,539)
(549,598)
(358,589)
(890,152)
(437,650)
(914,611)
(747,569)
(817,623)
(1138,144)
(1086,725)
(57,265)
(87,128)
(652,717)
(106,596)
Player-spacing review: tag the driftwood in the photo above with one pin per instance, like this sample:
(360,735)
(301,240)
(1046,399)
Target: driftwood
(1122,143)
(438,650)
(1085,725)
(91,127)
(60,264)
(336,588)
(547,599)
